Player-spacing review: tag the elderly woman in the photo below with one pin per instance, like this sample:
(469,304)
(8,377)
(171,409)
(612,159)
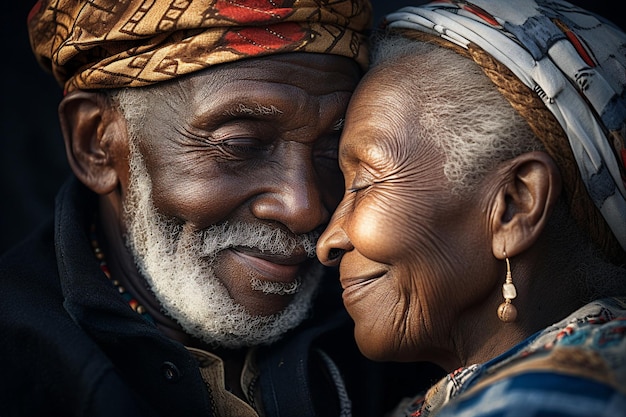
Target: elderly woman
(483,227)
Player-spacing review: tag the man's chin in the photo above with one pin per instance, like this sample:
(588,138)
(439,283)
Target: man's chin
(240,316)
(260,287)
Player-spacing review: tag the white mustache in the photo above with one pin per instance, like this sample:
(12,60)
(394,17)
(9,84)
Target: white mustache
(259,236)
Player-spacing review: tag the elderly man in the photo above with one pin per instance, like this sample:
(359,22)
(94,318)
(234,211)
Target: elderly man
(178,276)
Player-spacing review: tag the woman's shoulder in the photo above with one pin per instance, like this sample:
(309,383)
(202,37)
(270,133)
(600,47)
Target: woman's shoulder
(540,392)
(590,343)
(576,367)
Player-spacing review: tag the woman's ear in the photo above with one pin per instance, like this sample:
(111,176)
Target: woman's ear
(529,188)
(95,139)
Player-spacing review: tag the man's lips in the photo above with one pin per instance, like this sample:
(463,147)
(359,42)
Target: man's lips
(271,267)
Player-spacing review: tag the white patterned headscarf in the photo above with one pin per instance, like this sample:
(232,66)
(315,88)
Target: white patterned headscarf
(572,59)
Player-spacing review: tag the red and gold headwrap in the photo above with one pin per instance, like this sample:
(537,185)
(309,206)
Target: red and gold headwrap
(130,43)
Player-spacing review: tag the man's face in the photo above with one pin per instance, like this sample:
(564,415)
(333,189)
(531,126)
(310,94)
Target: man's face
(233,177)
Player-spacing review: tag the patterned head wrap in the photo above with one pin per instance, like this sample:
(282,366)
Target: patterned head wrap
(574,62)
(129,43)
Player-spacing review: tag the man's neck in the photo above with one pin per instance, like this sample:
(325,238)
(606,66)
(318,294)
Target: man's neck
(123,269)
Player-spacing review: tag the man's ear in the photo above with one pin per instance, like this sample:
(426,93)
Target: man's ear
(96,141)
(528,191)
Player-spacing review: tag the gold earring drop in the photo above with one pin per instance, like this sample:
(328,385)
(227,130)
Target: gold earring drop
(507,311)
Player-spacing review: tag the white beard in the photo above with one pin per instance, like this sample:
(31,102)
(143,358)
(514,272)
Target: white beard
(178,266)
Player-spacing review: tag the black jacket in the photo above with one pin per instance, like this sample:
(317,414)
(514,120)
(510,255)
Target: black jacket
(71,346)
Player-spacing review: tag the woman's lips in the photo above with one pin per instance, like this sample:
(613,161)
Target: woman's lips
(269,267)
(356,288)
(358,281)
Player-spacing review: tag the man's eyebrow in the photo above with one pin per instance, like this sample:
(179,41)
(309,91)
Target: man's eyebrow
(256,109)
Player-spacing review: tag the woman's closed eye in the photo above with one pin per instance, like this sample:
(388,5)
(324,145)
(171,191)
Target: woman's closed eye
(362,180)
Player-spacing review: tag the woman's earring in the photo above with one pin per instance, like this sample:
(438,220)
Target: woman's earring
(507,311)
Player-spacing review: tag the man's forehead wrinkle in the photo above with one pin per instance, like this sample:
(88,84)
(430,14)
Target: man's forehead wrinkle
(214,95)
(261,96)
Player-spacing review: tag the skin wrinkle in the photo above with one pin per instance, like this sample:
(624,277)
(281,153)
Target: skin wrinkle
(184,168)
(187,168)
(207,96)
(394,183)
(403,322)
(398,313)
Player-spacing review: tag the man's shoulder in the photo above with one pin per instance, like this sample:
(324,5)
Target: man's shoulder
(52,366)
(27,265)
(37,334)
(31,289)
(32,315)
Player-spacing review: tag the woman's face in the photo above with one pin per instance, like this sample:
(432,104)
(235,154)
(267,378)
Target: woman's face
(411,249)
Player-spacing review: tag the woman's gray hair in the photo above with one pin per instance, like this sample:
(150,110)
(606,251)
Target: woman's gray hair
(475,131)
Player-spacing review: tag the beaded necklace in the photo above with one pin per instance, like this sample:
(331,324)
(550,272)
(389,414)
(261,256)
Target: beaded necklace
(132,301)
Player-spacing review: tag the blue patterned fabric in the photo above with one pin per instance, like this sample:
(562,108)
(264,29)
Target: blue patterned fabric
(576,367)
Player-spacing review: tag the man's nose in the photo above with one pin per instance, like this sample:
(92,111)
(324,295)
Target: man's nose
(295,197)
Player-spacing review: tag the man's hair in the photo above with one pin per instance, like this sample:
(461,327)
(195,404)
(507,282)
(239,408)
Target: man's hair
(133,104)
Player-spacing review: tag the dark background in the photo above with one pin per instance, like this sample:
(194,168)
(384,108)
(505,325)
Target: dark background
(32,156)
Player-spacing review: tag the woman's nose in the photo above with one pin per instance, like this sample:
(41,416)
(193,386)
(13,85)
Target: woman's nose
(332,244)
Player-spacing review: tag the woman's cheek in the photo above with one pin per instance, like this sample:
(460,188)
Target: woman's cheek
(376,231)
